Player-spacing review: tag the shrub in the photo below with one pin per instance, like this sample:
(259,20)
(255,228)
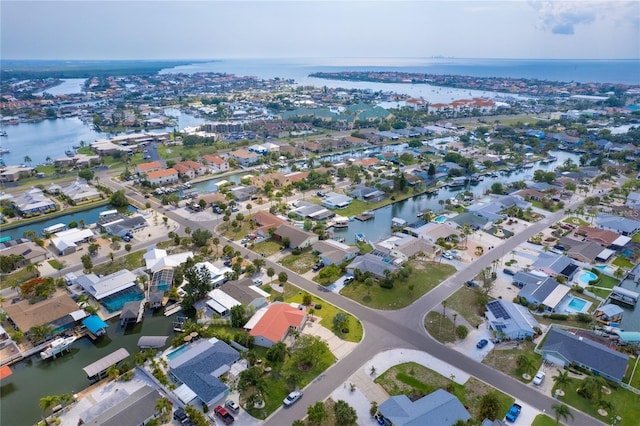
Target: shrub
(559,317)
(582,317)
(462,331)
(386,284)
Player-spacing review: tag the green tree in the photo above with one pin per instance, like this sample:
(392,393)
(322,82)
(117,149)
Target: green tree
(316,413)
(119,199)
(113,372)
(238,316)
(497,188)
(561,412)
(201,237)
(277,352)
(341,322)
(127,247)
(307,351)
(271,272)
(283,278)
(306,299)
(40,332)
(86,174)
(163,408)
(525,364)
(562,378)
(345,414)
(489,406)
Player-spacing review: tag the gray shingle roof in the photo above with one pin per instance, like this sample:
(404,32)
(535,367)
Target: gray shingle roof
(372,263)
(586,352)
(439,408)
(513,320)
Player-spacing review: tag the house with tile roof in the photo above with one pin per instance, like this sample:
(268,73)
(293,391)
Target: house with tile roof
(162,177)
(216,163)
(145,168)
(274,323)
(191,169)
(198,369)
(439,408)
(564,348)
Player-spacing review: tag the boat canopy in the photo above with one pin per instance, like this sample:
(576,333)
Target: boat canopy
(94,324)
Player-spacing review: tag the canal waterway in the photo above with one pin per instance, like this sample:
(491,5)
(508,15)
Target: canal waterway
(88,216)
(34,378)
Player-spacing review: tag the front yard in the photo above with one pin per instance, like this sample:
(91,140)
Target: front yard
(465,302)
(300,263)
(506,360)
(439,327)
(424,277)
(415,381)
(130,261)
(267,248)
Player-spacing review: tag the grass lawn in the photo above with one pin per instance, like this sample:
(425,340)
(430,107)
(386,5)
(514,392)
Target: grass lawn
(328,311)
(300,263)
(130,261)
(55,264)
(414,380)
(544,420)
(635,380)
(357,206)
(465,302)
(606,281)
(333,271)
(267,247)
(576,221)
(237,233)
(625,403)
(568,322)
(622,262)
(16,278)
(506,360)
(425,277)
(439,327)
(636,237)
(600,292)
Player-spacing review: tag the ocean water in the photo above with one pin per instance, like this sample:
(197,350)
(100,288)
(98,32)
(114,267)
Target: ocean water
(582,71)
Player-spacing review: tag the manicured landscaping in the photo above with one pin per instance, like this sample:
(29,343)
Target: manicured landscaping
(299,263)
(55,264)
(605,280)
(465,302)
(439,327)
(267,248)
(625,403)
(622,262)
(600,292)
(424,277)
(130,261)
(415,380)
(576,221)
(506,360)
(543,420)
(633,365)
(327,312)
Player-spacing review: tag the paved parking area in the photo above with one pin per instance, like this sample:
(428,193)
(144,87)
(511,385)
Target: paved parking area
(468,345)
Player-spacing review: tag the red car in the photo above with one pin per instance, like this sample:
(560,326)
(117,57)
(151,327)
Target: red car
(224,415)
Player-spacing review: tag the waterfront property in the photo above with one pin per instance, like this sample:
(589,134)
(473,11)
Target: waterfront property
(66,242)
(101,287)
(331,251)
(298,238)
(125,225)
(540,290)
(157,259)
(333,201)
(373,264)
(563,348)
(162,177)
(97,370)
(220,303)
(198,368)
(609,314)
(33,202)
(248,294)
(61,312)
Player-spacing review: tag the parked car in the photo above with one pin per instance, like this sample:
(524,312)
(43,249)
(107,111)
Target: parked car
(258,283)
(235,209)
(514,412)
(232,405)
(180,415)
(292,398)
(318,266)
(348,280)
(508,271)
(224,415)
(539,378)
(472,284)
(447,255)
(482,343)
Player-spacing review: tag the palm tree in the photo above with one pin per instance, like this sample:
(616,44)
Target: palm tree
(27,159)
(40,332)
(32,270)
(455,316)
(562,379)
(562,412)
(48,160)
(163,407)
(525,363)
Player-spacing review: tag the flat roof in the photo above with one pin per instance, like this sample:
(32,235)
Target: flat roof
(102,364)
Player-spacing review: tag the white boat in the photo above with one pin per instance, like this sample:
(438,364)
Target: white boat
(57,346)
(360,237)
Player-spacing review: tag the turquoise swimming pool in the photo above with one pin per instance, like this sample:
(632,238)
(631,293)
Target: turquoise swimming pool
(587,276)
(440,219)
(178,351)
(577,304)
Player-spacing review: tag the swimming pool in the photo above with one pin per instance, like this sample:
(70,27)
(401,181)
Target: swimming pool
(115,302)
(577,304)
(440,219)
(587,276)
(178,351)
(605,268)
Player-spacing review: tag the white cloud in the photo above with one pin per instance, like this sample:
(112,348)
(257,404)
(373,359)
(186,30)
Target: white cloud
(564,17)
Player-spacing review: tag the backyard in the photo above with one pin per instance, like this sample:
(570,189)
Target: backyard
(424,277)
(506,360)
(130,261)
(415,380)
(300,263)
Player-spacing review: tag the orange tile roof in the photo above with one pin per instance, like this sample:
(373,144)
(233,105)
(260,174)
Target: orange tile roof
(162,173)
(275,323)
(149,166)
(369,161)
(5,371)
(213,159)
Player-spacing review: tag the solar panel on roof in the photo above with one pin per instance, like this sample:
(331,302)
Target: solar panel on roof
(498,310)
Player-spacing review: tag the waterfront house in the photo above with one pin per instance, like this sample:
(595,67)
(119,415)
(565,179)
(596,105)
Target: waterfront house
(333,252)
(244,193)
(265,221)
(146,168)
(609,314)
(365,193)
(298,238)
(80,192)
(244,157)
(432,232)
(29,251)
(247,293)
(376,265)
(156,259)
(333,201)
(136,408)
(162,177)
(439,408)
(190,169)
(621,225)
(33,202)
(124,226)
(66,242)
(540,290)
(216,163)
(272,324)
(14,173)
(585,251)
(307,210)
(404,247)
(564,348)
(55,311)
(198,368)
(553,264)
(218,275)
(220,303)
(101,287)
(510,321)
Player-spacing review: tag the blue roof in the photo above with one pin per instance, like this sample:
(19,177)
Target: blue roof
(439,408)
(94,324)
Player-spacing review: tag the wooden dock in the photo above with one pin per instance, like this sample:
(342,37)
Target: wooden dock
(365,216)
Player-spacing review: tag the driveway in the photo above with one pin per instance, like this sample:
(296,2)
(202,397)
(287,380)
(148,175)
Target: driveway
(340,348)
(468,345)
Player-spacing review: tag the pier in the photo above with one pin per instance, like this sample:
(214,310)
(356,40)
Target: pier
(364,216)
(624,296)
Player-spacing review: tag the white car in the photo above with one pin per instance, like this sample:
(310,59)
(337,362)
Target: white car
(257,283)
(292,398)
(538,378)
(447,256)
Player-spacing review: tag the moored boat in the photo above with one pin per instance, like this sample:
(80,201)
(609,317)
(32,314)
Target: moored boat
(57,346)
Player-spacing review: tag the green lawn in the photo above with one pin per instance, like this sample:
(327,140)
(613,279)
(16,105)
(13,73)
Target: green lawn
(606,281)
(425,277)
(327,313)
(300,263)
(600,292)
(635,380)
(506,360)
(576,221)
(334,272)
(465,302)
(15,278)
(623,262)
(636,237)
(543,420)
(439,327)
(625,403)
(130,261)
(268,247)
(55,264)
(414,380)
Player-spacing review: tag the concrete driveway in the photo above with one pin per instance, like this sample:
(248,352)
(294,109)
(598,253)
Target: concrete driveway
(468,345)
(340,348)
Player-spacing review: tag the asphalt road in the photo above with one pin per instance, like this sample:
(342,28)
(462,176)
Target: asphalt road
(396,329)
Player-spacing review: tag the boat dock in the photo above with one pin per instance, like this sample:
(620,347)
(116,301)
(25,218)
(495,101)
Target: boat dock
(624,296)
(173,309)
(364,216)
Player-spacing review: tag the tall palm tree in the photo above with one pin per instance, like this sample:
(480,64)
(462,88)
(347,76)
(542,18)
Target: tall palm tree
(562,379)
(27,160)
(525,364)
(561,412)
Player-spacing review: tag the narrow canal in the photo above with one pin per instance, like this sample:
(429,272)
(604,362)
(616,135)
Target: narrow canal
(34,378)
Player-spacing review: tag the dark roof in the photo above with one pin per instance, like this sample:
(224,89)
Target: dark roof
(196,367)
(240,291)
(586,352)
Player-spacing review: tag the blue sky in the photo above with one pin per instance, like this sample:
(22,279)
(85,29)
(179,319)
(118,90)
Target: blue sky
(210,29)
